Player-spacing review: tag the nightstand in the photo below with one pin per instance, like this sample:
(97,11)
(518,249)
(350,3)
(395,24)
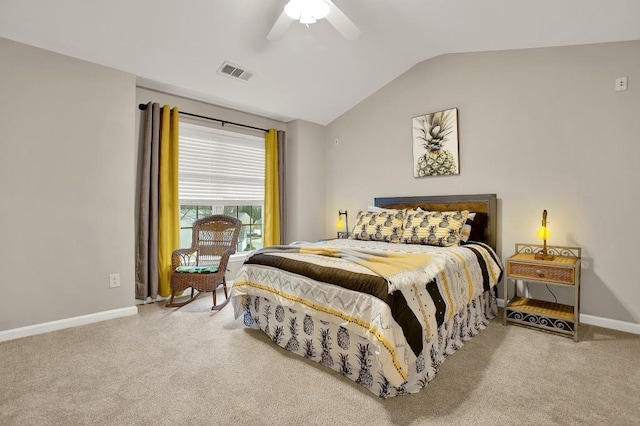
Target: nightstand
(562,270)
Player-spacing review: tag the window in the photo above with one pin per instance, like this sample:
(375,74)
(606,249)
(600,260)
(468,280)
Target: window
(221,172)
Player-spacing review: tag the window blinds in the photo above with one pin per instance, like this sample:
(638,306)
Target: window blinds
(217,167)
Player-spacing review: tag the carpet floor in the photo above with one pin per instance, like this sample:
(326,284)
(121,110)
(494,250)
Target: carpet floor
(192,366)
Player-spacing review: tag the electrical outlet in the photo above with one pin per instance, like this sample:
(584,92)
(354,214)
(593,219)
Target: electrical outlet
(114,280)
(621,83)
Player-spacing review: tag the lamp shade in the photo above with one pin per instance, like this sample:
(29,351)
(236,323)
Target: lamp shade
(339,223)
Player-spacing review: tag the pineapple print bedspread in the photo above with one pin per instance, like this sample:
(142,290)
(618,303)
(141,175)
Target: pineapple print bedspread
(397,311)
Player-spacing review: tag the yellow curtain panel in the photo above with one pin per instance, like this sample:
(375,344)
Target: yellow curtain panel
(168,204)
(271,192)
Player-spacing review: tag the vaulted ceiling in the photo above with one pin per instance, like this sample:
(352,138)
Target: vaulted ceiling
(311,73)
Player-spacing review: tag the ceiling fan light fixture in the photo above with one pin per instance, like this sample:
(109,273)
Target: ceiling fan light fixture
(307,19)
(307,11)
(293,9)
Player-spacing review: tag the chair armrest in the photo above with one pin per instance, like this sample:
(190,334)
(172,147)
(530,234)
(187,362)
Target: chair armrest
(182,257)
(224,259)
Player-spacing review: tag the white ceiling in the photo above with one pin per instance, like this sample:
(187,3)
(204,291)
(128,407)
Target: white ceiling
(311,73)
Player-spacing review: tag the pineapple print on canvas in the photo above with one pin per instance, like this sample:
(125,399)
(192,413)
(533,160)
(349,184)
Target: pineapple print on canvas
(435,144)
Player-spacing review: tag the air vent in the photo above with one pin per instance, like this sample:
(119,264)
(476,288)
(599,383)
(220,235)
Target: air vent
(234,71)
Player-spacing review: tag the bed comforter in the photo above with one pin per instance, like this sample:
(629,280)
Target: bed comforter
(376,312)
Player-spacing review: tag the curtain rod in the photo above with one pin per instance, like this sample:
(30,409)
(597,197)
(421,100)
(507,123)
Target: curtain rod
(222,122)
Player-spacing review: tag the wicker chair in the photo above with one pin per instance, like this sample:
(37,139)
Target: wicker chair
(203,266)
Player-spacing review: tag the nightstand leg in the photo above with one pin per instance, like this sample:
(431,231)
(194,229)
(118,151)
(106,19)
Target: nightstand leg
(505,300)
(576,305)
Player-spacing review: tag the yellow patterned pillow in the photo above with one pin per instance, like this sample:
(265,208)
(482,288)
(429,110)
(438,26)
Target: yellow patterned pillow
(379,226)
(433,228)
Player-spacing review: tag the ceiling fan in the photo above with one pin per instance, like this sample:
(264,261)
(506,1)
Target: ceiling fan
(308,12)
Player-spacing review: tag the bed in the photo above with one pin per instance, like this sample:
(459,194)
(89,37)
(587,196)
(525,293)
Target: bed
(387,306)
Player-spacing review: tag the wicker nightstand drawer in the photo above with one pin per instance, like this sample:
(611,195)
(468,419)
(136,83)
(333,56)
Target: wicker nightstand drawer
(541,272)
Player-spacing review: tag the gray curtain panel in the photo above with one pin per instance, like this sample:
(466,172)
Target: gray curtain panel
(147,238)
(282,186)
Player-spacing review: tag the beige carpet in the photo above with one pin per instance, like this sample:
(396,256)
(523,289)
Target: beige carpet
(194,367)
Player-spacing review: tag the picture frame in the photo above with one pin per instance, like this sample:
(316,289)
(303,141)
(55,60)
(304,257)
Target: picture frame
(435,144)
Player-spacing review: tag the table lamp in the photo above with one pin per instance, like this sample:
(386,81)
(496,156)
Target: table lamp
(544,234)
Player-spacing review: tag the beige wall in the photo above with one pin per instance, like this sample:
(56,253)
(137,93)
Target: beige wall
(305,182)
(542,128)
(67,185)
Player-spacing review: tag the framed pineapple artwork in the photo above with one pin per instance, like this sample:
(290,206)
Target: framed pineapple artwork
(435,144)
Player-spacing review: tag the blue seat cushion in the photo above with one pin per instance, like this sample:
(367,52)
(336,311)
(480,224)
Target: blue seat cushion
(197,269)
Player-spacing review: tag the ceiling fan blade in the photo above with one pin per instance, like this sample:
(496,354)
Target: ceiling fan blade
(341,23)
(280,27)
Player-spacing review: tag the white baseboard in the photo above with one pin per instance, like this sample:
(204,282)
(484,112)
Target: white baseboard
(612,324)
(628,327)
(45,327)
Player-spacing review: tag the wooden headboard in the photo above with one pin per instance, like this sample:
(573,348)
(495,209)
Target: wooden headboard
(485,203)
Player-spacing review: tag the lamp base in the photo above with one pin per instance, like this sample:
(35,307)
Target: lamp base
(542,255)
